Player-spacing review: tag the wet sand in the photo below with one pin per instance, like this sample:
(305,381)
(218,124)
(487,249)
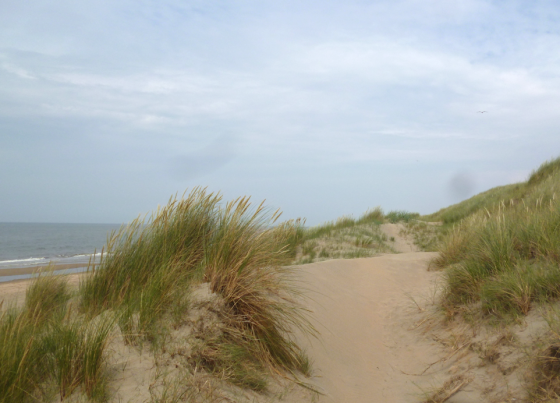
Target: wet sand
(21,271)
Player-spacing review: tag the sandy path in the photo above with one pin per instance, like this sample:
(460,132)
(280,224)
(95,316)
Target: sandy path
(400,244)
(365,315)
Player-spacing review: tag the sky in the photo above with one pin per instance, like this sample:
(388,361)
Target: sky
(321,108)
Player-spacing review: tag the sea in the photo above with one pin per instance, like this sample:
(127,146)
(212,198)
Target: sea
(24,245)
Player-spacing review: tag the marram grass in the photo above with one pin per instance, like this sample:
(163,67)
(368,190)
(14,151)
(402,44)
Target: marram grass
(246,264)
(57,345)
(169,246)
(239,249)
(507,254)
(45,347)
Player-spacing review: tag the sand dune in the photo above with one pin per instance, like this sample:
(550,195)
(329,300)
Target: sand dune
(371,346)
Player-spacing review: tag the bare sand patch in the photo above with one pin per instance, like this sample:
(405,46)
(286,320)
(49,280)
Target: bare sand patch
(364,311)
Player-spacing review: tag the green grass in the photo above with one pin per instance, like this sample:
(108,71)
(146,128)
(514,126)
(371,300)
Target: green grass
(360,240)
(46,296)
(147,261)
(20,356)
(374,216)
(349,238)
(246,264)
(506,253)
(485,200)
(401,216)
(56,343)
(74,354)
(500,252)
(45,347)
(427,236)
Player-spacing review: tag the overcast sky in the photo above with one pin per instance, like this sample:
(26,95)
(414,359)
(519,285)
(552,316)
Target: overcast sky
(323,108)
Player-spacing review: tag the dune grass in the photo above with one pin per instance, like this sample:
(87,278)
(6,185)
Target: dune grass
(56,343)
(45,348)
(426,235)
(485,200)
(74,354)
(374,216)
(349,238)
(500,252)
(506,255)
(400,216)
(19,355)
(239,252)
(146,261)
(245,264)
(46,296)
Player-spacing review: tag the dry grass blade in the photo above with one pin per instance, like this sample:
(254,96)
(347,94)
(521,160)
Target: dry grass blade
(450,388)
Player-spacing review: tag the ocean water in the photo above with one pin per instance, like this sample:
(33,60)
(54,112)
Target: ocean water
(37,244)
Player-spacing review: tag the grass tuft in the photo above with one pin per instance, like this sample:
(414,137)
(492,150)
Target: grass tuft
(75,354)
(19,356)
(143,284)
(245,264)
(46,296)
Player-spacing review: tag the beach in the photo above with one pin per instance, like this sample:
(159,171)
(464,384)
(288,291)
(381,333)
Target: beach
(373,344)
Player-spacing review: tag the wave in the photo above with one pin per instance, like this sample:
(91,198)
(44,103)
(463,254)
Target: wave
(30,259)
(42,261)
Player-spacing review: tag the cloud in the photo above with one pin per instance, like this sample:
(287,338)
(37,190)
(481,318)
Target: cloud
(19,72)
(203,161)
(326,87)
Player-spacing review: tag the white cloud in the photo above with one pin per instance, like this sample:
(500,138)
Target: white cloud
(328,83)
(18,71)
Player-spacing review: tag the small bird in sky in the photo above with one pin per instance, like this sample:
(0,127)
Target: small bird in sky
(482,111)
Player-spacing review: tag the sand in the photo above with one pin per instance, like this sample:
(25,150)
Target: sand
(379,341)
(400,244)
(364,311)
(13,292)
(37,269)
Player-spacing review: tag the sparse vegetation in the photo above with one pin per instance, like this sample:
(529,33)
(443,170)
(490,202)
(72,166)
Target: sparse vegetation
(426,235)
(348,238)
(544,381)
(401,216)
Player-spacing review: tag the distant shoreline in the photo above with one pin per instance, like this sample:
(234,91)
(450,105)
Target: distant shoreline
(38,269)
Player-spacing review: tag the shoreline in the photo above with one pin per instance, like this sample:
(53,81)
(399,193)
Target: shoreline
(22,271)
